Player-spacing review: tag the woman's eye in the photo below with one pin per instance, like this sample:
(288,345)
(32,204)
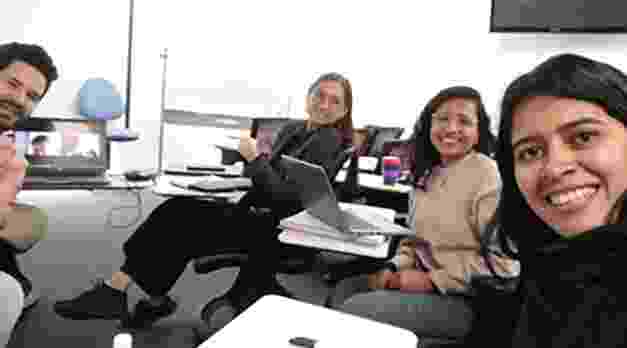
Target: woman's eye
(530,153)
(583,138)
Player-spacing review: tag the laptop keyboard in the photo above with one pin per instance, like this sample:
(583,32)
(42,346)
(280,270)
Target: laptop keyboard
(68,180)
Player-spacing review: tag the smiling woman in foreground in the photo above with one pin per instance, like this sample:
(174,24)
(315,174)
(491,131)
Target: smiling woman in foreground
(563,159)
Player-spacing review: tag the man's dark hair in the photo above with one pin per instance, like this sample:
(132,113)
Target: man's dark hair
(31,54)
(40,139)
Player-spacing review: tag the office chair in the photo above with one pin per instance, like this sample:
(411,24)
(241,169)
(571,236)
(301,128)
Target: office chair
(329,267)
(289,265)
(378,136)
(373,141)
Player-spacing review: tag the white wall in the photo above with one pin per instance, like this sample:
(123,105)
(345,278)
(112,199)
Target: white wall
(397,54)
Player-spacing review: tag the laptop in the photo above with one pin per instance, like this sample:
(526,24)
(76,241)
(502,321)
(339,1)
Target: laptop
(70,151)
(319,200)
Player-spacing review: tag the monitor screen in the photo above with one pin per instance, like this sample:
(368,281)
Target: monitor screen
(558,16)
(70,143)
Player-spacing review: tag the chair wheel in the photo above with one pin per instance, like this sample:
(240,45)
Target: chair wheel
(214,316)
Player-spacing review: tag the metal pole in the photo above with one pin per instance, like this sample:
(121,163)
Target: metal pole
(129,67)
(164,56)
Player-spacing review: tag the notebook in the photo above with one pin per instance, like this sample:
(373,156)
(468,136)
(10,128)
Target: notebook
(319,201)
(196,170)
(214,184)
(71,151)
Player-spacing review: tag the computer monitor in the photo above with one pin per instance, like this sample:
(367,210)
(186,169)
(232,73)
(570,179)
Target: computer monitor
(69,147)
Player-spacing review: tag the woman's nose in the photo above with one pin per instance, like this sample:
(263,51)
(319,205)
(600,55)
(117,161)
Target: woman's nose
(560,162)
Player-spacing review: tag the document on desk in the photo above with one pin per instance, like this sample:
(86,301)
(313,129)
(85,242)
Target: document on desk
(322,242)
(384,227)
(165,187)
(212,183)
(307,223)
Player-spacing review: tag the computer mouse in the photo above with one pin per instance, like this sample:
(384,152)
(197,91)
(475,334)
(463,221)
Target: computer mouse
(139,175)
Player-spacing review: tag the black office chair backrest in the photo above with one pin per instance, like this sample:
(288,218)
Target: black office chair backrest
(377,136)
(381,135)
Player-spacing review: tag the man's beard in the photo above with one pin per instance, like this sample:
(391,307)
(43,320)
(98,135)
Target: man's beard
(10,112)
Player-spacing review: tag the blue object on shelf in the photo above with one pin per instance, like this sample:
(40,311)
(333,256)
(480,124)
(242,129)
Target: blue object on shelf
(100,100)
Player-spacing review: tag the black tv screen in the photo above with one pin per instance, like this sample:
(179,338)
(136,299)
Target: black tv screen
(569,16)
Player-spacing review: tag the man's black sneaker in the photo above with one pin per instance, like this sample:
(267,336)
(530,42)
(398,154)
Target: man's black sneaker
(145,313)
(99,302)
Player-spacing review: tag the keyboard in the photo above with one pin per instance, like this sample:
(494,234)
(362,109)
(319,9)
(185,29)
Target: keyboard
(67,180)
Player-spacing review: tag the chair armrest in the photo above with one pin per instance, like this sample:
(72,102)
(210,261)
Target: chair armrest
(335,267)
(333,274)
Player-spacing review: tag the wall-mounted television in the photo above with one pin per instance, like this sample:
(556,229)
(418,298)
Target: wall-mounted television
(559,16)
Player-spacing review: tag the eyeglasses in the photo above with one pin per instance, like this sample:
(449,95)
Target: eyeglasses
(445,119)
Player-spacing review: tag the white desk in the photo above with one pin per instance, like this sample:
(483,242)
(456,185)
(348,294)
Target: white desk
(273,320)
(375,182)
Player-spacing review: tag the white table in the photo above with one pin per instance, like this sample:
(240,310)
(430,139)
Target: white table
(273,320)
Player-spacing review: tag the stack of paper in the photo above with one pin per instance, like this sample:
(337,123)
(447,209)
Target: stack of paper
(213,184)
(178,186)
(305,222)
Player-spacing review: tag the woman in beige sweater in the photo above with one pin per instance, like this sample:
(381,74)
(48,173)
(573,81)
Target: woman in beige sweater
(456,192)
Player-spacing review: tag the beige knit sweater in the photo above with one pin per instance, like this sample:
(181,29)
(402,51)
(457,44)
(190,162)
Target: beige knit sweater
(449,218)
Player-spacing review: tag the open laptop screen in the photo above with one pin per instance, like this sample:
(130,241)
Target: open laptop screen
(70,147)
